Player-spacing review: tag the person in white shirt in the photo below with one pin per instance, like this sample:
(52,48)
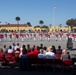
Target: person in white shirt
(50,54)
(10,50)
(41,54)
(17,46)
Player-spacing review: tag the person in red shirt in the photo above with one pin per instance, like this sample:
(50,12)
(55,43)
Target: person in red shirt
(41,37)
(17,36)
(34,36)
(2,55)
(73,38)
(60,38)
(5,36)
(22,39)
(36,50)
(48,37)
(25,35)
(67,36)
(30,35)
(56,35)
(10,37)
(32,55)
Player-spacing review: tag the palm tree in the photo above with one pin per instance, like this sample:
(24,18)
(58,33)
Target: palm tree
(29,24)
(41,22)
(17,19)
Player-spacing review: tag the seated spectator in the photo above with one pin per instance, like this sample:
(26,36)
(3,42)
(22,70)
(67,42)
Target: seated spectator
(1,53)
(22,51)
(45,49)
(32,54)
(2,56)
(33,47)
(36,50)
(21,48)
(59,48)
(13,46)
(41,54)
(41,46)
(17,50)
(5,49)
(65,55)
(10,50)
(53,49)
(28,48)
(50,54)
(24,62)
(17,46)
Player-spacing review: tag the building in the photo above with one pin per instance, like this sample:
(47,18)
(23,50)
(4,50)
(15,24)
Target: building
(15,27)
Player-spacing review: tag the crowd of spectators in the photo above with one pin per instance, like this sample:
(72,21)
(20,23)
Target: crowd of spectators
(26,52)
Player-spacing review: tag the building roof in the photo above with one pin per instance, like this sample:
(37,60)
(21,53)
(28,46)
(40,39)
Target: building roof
(13,25)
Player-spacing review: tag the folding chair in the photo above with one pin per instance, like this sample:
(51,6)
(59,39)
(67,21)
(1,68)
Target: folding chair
(67,64)
(50,63)
(41,63)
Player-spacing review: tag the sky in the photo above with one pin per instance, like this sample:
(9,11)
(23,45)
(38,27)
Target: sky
(35,10)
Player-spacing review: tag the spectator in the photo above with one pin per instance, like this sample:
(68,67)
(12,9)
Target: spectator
(36,51)
(53,49)
(59,48)
(22,51)
(1,53)
(41,46)
(33,48)
(50,54)
(17,46)
(10,50)
(45,49)
(24,62)
(65,55)
(13,46)
(41,54)
(5,49)
(28,48)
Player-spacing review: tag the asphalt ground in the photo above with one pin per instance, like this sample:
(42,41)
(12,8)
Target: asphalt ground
(44,41)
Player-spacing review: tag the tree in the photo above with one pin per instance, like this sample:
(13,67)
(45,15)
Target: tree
(36,26)
(41,22)
(44,26)
(29,24)
(71,23)
(60,25)
(17,19)
(50,25)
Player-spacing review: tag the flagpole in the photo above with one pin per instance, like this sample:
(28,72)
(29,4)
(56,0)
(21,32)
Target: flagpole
(54,16)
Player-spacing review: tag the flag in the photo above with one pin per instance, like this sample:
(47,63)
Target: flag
(54,7)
